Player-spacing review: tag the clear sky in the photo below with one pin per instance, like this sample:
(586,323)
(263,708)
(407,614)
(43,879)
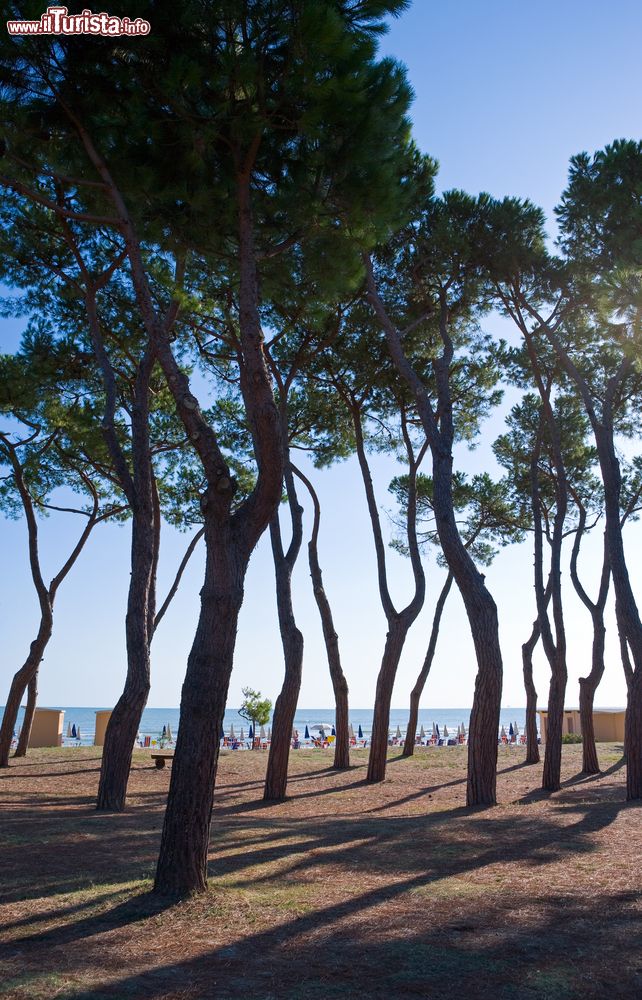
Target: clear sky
(505,93)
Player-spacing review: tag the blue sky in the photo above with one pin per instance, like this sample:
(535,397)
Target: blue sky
(505,94)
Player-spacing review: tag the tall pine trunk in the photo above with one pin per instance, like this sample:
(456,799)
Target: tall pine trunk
(230,540)
(551,777)
(276,779)
(420,683)
(397,632)
(182,863)
(590,763)
(633,737)
(481,610)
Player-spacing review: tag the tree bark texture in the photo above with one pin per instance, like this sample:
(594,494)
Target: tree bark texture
(182,864)
(633,738)
(27,722)
(420,683)
(393,649)
(124,722)
(484,626)
(276,779)
(532,748)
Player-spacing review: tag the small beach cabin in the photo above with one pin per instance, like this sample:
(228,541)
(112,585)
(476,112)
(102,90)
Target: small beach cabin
(608,724)
(102,718)
(46,730)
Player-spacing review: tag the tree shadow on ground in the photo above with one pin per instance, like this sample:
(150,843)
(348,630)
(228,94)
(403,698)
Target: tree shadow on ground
(381,904)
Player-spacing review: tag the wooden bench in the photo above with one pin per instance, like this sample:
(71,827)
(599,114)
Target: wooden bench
(160,756)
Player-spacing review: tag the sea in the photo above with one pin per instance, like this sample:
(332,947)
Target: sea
(154,719)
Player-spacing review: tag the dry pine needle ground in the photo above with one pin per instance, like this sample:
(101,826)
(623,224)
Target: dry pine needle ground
(344,890)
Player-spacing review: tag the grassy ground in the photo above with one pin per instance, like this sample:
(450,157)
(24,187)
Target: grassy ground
(344,890)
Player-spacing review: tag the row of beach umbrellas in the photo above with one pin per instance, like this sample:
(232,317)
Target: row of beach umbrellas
(250,733)
(326,728)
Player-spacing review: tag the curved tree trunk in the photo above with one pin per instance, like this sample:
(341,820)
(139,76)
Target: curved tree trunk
(331,639)
(589,684)
(21,681)
(230,540)
(554,646)
(399,622)
(27,722)
(420,683)
(532,748)
(478,602)
(276,779)
(484,626)
(393,649)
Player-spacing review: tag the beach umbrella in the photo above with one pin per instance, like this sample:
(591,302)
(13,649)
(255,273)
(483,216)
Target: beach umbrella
(503,733)
(511,731)
(164,733)
(169,732)
(445,731)
(437,731)
(307,732)
(261,733)
(334,732)
(251,732)
(398,734)
(350,731)
(69,730)
(78,736)
(422,734)
(242,736)
(360,732)
(516,730)
(232,733)
(269,735)
(73,731)
(293,733)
